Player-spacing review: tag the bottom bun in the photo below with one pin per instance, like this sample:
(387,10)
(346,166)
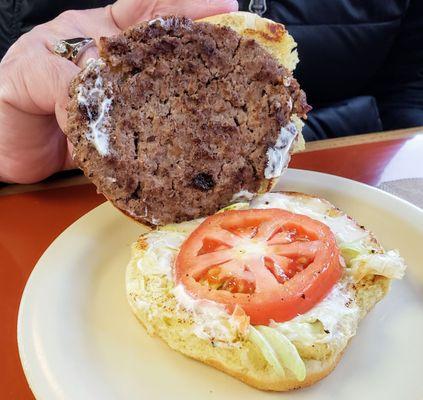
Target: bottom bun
(229,360)
(152,298)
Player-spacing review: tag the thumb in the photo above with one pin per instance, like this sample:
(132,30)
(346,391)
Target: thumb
(68,163)
(128,12)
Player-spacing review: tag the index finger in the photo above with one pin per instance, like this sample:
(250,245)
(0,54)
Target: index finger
(128,12)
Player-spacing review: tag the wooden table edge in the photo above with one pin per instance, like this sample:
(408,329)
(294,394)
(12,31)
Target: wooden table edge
(363,139)
(310,146)
(59,183)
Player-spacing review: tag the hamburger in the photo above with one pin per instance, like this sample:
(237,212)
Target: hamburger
(176,120)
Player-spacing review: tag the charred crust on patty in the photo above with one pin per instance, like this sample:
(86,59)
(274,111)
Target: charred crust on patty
(203,181)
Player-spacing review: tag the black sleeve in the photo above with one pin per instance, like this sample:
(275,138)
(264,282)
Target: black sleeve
(20,16)
(346,117)
(399,86)
(9,28)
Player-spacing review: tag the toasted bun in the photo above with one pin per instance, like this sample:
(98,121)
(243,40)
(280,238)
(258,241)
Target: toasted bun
(269,34)
(246,362)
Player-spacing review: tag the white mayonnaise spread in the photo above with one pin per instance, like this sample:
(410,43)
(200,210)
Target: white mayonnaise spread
(337,308)
(160,253)
(278,156)
(289,104)
(287,80)
(95,98)
(166,23)
(242,195)
(158,19)
(212,322)
(344,229)
(154,221)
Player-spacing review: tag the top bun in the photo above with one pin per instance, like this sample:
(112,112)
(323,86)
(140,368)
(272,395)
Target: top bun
(269,34)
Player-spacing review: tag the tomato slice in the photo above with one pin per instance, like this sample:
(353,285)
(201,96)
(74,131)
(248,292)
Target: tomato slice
(272,263)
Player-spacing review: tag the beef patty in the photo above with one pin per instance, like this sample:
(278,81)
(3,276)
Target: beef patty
(177,116)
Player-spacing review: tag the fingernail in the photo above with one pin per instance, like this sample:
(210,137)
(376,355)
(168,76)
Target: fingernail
(232,4)
(227,5)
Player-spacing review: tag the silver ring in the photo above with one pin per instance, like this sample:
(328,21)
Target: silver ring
(72,49)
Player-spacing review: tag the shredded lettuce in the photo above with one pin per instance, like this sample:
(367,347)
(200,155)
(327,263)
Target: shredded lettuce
(235,206)
(389,264)
(269,354)
(183,227)
(350,250)
(286,352)
(306,332)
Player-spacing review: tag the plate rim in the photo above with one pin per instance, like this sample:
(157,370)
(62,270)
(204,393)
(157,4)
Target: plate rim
(25,347)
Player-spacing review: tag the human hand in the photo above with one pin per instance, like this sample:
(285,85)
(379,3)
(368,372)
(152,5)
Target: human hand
(34,82)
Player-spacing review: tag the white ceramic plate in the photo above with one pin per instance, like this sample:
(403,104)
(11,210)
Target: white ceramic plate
(78,339)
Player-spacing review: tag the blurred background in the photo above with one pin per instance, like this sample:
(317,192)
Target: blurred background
(361,62)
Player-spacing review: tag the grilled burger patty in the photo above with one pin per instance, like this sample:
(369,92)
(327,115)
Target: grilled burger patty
(177,116)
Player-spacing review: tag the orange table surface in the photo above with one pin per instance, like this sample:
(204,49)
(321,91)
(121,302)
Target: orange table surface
(32,217)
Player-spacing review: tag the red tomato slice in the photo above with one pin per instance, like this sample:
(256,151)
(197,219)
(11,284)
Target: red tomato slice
(272,263)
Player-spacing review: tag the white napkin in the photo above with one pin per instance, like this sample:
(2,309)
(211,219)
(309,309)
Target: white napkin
(408,189)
